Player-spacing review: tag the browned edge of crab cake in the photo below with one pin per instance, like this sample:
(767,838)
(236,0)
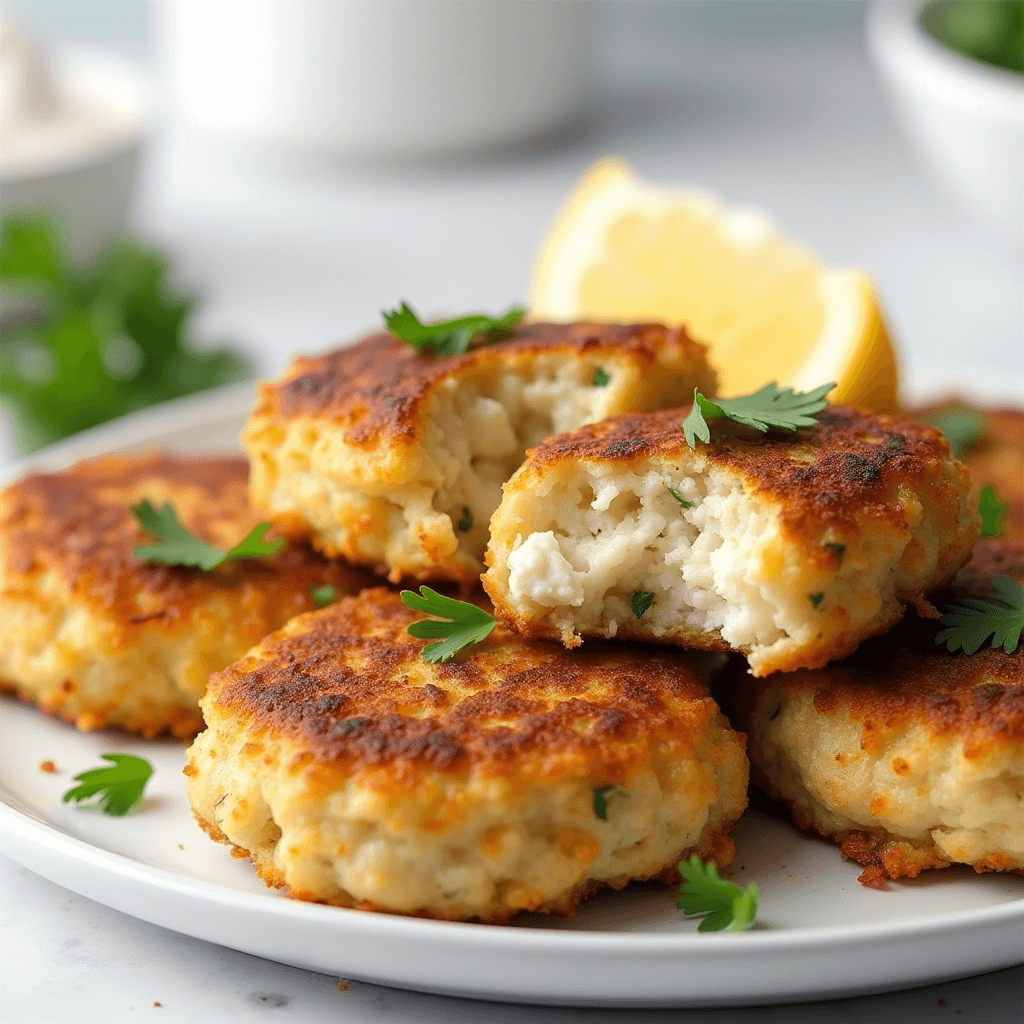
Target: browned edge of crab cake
(835,490)
(358,421)
(375,390)
(99,638)
(996,457)
(358,774)
(906,755)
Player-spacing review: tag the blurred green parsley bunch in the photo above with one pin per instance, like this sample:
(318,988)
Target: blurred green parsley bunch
(83,345)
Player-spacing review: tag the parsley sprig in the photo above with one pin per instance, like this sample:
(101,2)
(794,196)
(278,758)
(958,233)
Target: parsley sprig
(992,512)
(722,904)
(449,337)
(96,340)
(324,595)
(180,547)
(118,787)
(973,620)
(963,428)
(460,623)
(771,407)
(683,503)
(601,797)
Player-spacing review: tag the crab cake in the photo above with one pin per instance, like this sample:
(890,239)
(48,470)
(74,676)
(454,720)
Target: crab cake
(99,638)
(394,458)
(788,547)
(992,448)
(908,756)
(518,777)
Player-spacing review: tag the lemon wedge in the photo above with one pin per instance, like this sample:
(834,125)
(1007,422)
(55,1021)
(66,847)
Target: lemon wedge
(621,250)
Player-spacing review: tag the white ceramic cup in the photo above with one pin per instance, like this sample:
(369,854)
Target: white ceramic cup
(374,77)
(966,118)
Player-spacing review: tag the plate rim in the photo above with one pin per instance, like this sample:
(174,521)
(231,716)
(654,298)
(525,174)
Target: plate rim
(41,833)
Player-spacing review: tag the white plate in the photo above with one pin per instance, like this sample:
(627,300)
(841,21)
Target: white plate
(820,933)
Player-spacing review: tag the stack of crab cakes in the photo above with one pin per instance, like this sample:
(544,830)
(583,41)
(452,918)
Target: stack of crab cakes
(395,458)
(800,552)
(353,766)
(567,739)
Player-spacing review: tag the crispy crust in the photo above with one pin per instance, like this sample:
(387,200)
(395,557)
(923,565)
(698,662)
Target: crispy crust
(996,458)
(375,390)
(895,686)
(342,683)
(835,475)
(66,548)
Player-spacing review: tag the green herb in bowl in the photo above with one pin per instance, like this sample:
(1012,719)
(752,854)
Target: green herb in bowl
(990,31)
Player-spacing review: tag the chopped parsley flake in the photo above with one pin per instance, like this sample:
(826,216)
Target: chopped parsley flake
(641,601)
(682,501)
(992,512)
(601,797)
(324,595)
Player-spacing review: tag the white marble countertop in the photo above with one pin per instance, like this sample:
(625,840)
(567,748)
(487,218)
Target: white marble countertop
(765,107)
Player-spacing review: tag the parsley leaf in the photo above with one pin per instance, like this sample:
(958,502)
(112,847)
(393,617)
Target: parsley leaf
(465,523)
(466,624)
(640,602)
(324,595)
(179,547)
(963,428)
(601,796)
(722,904)
(992,512)
(449,337)
(600,378)
(973,620)
(682,501)
(119,787)
(772,406)
(101,341)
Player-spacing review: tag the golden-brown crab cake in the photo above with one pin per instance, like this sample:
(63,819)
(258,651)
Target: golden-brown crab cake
(518,777)
(991,443)
(908,756)
(395,459)
(788,547)
(95,636)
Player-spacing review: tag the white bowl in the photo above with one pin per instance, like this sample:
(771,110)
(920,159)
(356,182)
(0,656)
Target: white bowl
(85,177)
(966,118)
(387,78)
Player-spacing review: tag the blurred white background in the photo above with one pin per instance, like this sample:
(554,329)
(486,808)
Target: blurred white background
(770,104)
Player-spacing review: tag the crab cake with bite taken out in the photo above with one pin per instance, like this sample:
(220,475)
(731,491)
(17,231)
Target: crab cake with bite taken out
(790,547)
(393,457)
(515,777)
(905,754)
(98,637)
